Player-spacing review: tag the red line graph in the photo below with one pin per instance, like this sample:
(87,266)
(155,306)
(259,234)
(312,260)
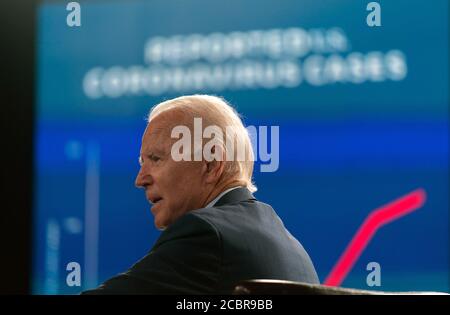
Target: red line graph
(376,219)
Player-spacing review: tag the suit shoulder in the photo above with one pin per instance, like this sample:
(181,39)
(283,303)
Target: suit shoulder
(194,220)
(237,215)
(189,226)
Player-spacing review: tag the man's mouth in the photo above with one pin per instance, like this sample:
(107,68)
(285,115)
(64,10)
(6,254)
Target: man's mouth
(155,200)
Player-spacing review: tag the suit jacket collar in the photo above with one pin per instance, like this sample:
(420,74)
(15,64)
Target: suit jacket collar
(235,196)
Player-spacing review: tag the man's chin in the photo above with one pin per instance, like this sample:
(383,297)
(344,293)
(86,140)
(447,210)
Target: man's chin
(161,228)
(159,224)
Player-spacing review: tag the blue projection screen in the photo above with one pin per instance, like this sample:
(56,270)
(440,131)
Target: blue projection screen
(362,114)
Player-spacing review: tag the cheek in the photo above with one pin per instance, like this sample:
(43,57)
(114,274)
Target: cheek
(192,176)
(185,179)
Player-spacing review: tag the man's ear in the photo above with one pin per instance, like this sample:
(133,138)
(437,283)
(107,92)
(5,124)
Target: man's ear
(214,164)
(213,170)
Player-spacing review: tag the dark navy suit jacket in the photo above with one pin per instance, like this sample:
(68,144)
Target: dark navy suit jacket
(209,250)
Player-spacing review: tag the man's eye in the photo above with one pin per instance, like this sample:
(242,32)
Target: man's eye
(154,158)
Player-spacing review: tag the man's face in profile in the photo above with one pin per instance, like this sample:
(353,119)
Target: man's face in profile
(172,187)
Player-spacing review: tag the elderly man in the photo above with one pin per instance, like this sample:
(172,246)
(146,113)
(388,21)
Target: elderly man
(215,232)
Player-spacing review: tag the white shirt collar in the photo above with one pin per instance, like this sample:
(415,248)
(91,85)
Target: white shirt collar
(213,202)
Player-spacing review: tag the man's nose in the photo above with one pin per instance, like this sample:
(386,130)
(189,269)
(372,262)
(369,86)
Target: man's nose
(142,179)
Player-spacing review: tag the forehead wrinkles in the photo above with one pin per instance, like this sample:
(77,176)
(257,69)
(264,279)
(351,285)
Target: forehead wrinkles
(159,129)
(155,141)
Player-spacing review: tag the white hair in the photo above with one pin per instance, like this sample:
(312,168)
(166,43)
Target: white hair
(216,111)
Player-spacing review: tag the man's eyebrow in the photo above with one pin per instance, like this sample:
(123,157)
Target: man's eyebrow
(154,150)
